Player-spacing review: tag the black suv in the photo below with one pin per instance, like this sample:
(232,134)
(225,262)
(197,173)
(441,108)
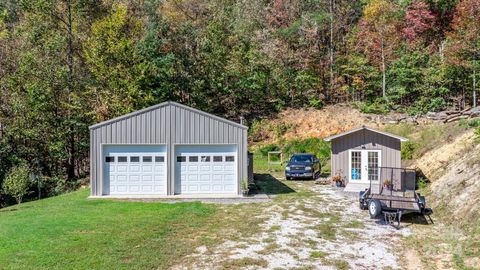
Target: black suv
(302,166)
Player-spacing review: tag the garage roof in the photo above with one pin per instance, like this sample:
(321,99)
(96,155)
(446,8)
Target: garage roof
(167,103)
(402,139)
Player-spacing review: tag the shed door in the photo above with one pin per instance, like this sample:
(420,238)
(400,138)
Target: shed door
(206,169)
(364,165)
(135,169)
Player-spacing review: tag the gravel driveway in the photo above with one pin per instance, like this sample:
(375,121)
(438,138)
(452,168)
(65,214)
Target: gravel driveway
(315,227)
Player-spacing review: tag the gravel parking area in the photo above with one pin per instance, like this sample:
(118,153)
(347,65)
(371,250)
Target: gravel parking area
(313,227)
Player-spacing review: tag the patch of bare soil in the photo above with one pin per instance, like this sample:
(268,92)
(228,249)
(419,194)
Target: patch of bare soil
(325,122)
(454,194)
(318,228)
(454,169)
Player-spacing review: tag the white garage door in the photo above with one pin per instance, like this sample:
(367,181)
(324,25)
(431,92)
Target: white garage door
(135,169)
(206,169)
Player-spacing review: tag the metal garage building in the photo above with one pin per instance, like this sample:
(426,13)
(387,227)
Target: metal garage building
(167,149)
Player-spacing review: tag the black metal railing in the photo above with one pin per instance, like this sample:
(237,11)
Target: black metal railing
(396,181)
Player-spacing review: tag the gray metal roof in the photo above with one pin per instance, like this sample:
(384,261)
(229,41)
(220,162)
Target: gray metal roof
(402,139)
(167,103)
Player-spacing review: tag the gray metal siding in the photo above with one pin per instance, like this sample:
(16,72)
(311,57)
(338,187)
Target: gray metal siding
(389,146)
(170,124)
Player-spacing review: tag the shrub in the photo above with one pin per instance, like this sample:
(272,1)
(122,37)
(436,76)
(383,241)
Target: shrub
(408,150)
(379,106)
(17,182)
(268,148)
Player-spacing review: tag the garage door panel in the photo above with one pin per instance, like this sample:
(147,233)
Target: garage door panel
(147,169)
(147,188)
(217,187)
(218,168)
(229,188)
(205,177)
(134,178)
(121,188)
(135,169)
(205,169)
(193,168)
(205,188)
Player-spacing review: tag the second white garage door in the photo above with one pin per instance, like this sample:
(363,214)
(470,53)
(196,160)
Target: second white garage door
(206,169)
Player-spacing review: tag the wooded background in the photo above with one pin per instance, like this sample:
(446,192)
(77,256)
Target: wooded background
(66,64)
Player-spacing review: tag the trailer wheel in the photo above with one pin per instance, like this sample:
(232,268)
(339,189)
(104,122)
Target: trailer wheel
(374,208)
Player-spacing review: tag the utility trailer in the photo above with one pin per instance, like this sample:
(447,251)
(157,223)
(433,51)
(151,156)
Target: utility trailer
(392,195)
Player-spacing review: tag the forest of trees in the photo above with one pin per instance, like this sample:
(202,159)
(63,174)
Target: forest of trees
(66,64)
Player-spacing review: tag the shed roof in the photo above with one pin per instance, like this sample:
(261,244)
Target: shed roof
(402,139)
(163,104)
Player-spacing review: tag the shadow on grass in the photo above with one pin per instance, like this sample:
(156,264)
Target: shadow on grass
(271,185)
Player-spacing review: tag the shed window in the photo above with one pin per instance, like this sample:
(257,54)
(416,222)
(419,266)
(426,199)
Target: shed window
(205,159)
(147,159)
(134,159)
(159,159)
(193,159)
(122,159)
(217,158)
(181,159)
(109,159)
(230,159)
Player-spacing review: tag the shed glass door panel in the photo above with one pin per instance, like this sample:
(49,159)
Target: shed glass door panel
(364,165)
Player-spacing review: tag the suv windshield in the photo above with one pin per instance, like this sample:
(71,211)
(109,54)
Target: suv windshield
(301,158)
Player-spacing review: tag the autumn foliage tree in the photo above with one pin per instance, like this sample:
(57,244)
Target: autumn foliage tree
(464,40)
(378,36)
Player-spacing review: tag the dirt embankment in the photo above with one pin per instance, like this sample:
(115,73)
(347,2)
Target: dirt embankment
(454,169)
(307,123)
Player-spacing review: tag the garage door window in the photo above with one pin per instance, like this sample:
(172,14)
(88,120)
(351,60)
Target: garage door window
(205,158)
(230,159)
(159,159)
(122,159)
(109,159)
(181,159)
(193,159)
(147,159)
(217,158)
(134,159)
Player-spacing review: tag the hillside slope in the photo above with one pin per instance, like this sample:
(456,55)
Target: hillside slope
(308,123)
(453,168)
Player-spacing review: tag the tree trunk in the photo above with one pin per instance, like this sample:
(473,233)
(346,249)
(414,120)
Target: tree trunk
(384,79)
(474,88)
(70,56)
(332,5)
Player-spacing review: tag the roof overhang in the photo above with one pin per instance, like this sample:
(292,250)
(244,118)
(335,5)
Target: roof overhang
(402,139)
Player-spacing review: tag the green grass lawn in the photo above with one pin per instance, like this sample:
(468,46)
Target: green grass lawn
(73,232)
